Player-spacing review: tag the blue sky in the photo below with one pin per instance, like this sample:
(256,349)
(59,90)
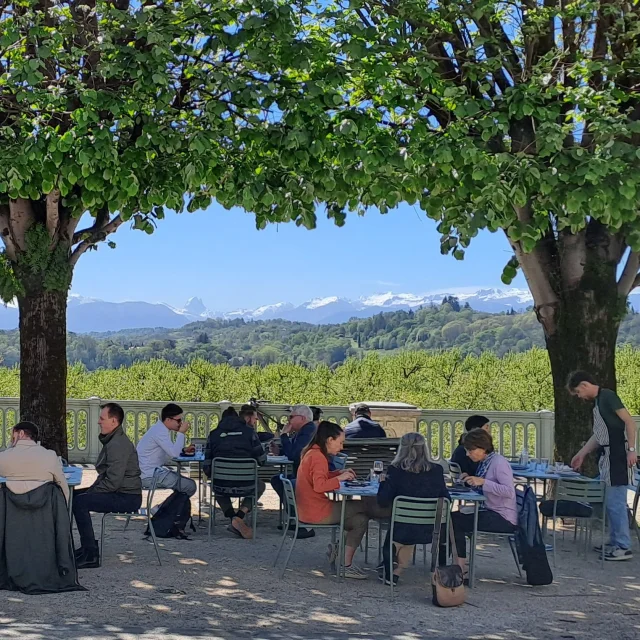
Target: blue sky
(220,257)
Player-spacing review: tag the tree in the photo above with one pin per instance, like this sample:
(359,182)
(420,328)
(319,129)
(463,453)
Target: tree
(520,117)
(111,110)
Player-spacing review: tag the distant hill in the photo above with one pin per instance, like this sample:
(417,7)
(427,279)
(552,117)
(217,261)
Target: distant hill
(239,342)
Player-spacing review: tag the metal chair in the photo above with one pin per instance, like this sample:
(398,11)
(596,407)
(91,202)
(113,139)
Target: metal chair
(455,471)
(292,519)
(143,511)
(417,511)
(242,470)
(580,491)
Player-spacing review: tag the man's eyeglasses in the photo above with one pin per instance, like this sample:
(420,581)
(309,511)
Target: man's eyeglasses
(178,420)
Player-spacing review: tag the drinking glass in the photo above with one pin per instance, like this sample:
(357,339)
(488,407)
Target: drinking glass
(378,467)
(199,449)
(559,466)
(544,463)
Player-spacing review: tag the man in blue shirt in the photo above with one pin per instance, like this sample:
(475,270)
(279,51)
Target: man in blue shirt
(294,437)
(363,426)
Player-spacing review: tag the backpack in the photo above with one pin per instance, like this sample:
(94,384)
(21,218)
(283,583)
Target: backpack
(170,521)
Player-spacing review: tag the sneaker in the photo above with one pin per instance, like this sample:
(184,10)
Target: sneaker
(242,527)
(616,553)
(354,572)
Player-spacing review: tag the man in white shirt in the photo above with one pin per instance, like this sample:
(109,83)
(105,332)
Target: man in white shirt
(156,449)
(27,465)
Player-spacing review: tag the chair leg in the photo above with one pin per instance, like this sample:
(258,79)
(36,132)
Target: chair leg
(104,515)
(512,544)
(254,519)
(212,512)
(153,537)
(293,544)
(366,545)
(554,542)
(285,530)
(126,524)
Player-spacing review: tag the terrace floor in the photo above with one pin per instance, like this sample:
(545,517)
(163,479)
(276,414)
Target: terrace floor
(228,589)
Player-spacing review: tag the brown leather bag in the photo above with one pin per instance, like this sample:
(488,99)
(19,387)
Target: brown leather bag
(447,583)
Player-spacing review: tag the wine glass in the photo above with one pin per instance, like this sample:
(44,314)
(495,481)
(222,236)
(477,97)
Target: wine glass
(378,467)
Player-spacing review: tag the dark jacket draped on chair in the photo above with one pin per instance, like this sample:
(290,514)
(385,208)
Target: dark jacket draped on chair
(36,550)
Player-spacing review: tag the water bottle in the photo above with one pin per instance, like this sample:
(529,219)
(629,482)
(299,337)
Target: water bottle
(524,457)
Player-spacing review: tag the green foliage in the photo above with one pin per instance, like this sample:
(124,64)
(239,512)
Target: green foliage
(444,380)
(41,263)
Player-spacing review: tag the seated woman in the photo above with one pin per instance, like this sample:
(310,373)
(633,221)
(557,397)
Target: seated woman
(315,480)
(410,474)
(494,479)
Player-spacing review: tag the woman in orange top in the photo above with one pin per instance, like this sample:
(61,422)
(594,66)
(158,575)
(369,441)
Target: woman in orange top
(313,482)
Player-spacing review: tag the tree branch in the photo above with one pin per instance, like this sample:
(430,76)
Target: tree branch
(20,219)
(53,212)
(96,236)
(5,232)
(629,277)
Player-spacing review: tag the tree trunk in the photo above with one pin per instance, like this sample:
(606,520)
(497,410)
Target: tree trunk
(43,365)
(586,331)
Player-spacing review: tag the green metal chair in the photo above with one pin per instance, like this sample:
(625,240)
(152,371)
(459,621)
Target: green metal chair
(455,471)
(580,491)
(243,470)
(143,511)
(418,511)
(292,519)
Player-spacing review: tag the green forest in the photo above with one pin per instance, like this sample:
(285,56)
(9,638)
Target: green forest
(240,343)
(446,379)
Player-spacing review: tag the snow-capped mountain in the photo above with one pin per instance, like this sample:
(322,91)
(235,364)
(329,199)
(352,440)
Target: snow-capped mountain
(87,315)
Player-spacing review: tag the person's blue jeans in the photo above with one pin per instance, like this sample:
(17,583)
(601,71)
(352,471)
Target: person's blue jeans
(617,514)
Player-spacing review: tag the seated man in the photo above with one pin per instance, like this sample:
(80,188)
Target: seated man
(117,488)
(460,457)
(27,465)
(236,437)
(294,437)
(363,426)
(156,449)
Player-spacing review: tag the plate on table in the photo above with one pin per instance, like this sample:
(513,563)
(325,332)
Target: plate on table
(357,483)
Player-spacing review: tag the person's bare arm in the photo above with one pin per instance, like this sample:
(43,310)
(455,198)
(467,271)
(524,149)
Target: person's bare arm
(630,429)
(590,446)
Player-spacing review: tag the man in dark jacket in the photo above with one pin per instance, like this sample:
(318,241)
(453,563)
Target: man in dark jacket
(363,426)
(460,457)
(118,488)
(236,437)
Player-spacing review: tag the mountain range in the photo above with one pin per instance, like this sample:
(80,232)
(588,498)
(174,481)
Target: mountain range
(87,315)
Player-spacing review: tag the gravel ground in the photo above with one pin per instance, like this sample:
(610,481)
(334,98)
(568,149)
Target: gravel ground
(227,588)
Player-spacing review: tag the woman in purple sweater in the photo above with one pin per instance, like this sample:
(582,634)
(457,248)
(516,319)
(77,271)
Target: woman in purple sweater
(494,479)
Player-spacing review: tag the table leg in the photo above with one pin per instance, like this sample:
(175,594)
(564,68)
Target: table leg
(474,537)
(179,465)
(199,493)
(341,549)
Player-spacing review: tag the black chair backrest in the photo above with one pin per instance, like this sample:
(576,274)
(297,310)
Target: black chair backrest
(363,452)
